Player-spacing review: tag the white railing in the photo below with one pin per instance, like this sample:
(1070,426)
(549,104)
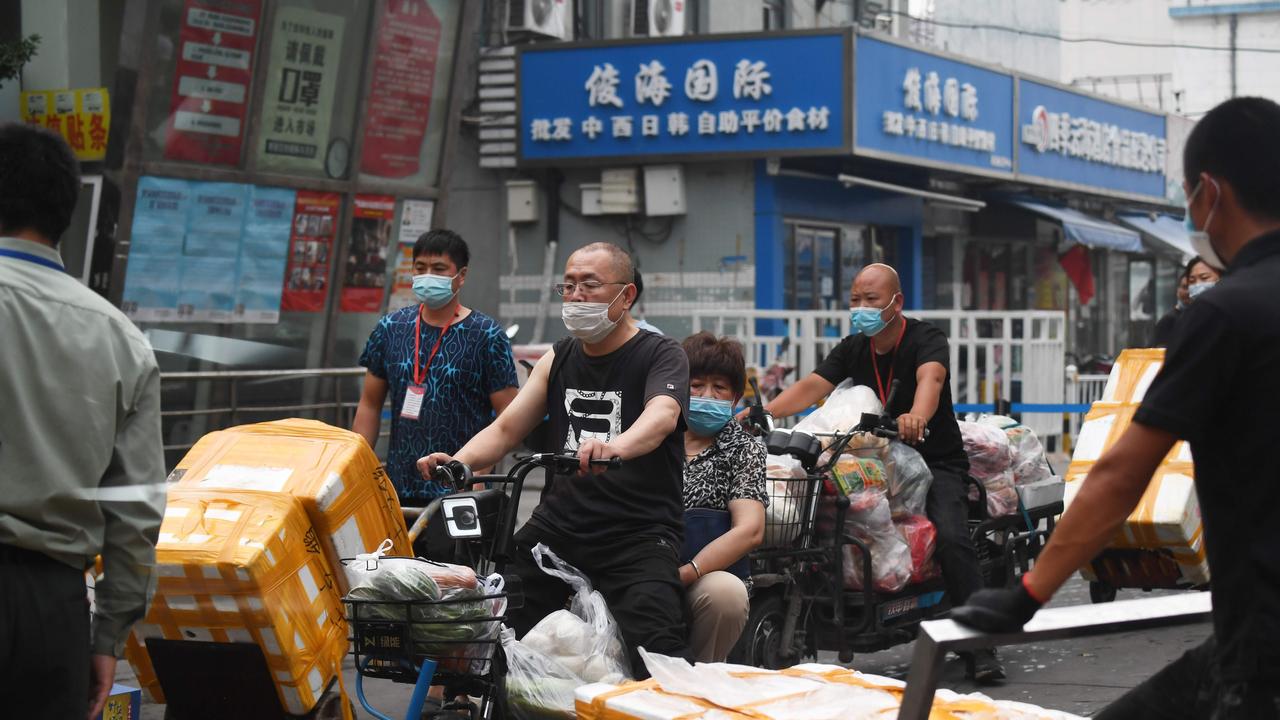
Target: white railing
(990,349)
(1083,390)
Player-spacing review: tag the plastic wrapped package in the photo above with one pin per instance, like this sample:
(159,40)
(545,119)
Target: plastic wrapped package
(713,691)
(854,474)
(602,646)
(842,410)
(786,486)
(909,481)
(987,447)
(871,521)
(245,568)
(1002,495)
(537,687)
(1029,462)
(333,472)
(922,539)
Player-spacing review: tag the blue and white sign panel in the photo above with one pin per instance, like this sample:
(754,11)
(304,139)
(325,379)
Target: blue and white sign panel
(746,96)
(914,106)
(1075,139)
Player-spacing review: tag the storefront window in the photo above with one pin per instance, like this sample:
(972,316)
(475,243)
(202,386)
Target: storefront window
(414,44)
(307,120)
(937,274)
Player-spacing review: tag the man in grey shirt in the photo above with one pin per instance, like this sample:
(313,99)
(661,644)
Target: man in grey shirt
(81,462)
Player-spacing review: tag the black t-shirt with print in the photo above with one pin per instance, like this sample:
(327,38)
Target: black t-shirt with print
(601,397)
(921,343)
(1217,390)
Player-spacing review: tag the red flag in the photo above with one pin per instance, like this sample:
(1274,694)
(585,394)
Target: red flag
(1079,270)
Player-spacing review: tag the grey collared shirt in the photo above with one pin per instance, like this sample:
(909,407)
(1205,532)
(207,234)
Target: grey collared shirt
(81,461)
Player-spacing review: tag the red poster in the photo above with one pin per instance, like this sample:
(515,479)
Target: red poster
(211,81)
(400,95)
(365,278)
(306,277)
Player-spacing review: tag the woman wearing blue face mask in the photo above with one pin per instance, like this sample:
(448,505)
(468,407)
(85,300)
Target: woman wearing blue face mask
(724,497)
(1197,277)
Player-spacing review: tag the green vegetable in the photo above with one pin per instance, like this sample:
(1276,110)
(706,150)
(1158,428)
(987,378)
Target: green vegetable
(436,626)
(544,698)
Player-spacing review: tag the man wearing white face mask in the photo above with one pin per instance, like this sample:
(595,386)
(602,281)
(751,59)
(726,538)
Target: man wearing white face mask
(610,391)
(884,346)
(1216,390)
(447,368)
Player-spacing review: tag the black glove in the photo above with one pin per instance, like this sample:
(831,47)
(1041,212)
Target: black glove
(997,611)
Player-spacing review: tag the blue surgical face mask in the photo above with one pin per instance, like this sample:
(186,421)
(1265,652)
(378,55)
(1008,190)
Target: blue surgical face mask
(1195,290)
(435,291)
(868,320)
(708,416)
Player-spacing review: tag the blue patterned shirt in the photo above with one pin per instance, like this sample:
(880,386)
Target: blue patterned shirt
(473,361)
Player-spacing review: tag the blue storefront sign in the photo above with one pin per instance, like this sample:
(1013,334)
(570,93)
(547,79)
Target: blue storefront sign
(1074,139)
(727,96)
(918,107)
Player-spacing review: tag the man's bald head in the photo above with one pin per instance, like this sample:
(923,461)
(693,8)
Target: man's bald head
(881,276)
(620,267)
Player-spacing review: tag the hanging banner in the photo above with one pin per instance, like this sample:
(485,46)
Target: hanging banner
(306,48)
(82,117)
(365,278)
(211,81)
(400,92)
(315,223)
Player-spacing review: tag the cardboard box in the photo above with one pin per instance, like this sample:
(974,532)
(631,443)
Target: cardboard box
(124,703)
(246,567)
(1166,521)
(333,472)
(1044,492)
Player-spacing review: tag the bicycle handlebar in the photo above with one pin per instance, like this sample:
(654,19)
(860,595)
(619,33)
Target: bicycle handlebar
(456,474)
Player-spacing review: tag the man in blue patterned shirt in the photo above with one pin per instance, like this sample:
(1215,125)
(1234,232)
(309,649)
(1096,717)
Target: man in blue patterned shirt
(447,368)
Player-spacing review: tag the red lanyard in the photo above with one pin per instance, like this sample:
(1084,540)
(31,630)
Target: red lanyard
(884,398)
(417,347)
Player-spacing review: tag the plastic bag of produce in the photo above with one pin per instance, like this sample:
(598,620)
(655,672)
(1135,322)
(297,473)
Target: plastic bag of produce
(909,480)
(842,410)
(601,645)
(1029,462)
(987,447)
(870,521)
(1002,496)
(538,687)
(922,538)
(854,474)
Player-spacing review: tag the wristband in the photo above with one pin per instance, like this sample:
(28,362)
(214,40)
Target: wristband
(694,564)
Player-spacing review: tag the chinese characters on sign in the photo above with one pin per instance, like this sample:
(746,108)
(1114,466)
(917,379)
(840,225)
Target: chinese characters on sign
(400,94)
(1083,138)
(305,51)
(750,81)
(211,80)
(949,105)
(756,95)
(82,117)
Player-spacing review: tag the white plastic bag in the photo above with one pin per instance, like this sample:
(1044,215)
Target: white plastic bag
(909,480)
(537,687)
(842,410)
(987,447)
(602,647)
(1029,462)
(870,521)
(786,485)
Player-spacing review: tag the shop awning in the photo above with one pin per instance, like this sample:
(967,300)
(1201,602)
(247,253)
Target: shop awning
(1165,229)
(1086,230)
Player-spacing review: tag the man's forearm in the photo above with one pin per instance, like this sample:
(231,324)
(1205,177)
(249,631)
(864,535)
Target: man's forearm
(798,397)
(367,424)
(487,447)
(649,430)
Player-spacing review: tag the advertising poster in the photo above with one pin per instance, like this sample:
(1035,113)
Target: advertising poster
(365,277)
(415,219)
(211,81)
(206,252)
(314,226)
(404,69)
(264,253)
(306,49)
(82,117)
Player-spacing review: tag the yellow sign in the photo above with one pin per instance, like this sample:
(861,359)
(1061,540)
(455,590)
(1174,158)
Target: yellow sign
(81,116)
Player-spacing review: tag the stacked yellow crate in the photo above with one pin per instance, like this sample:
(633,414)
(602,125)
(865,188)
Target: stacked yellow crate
(1162,542)
(249,569)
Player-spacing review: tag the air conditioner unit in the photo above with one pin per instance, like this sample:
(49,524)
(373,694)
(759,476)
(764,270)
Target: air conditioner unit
(658,18)
(548,18)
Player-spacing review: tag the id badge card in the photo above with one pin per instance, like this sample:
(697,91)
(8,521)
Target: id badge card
(412,407)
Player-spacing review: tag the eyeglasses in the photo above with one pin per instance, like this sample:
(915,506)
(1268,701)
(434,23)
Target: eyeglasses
(589,287)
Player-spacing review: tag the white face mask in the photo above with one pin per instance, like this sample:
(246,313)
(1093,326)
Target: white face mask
(1200,238)
(589,321)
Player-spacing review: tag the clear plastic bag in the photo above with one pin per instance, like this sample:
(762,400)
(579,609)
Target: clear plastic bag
(1002,496)
(537,687)
(987,447)
(922,538)
(842,410)
(602,646)
(1029,462)
(786,485)
(909,480)
(870,521)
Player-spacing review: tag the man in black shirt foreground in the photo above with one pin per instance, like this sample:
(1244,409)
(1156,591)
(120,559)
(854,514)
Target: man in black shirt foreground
(885,346)
(1217,390)
(610,391)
